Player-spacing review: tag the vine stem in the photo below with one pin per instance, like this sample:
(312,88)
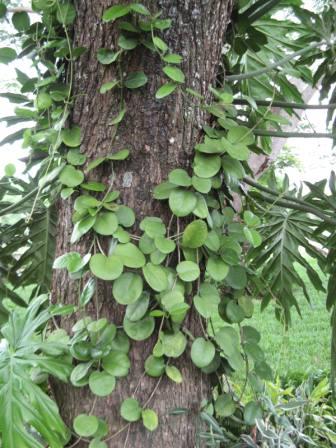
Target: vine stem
(117,433)
(64,116)
(127,435)
(153,391)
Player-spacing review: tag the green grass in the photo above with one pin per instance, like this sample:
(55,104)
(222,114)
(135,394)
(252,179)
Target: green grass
(305,348)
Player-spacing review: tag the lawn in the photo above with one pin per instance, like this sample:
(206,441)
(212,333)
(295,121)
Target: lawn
(305,347)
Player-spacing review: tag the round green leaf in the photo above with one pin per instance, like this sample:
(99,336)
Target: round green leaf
(253,236)
(79,373)
(127,43)
(71,177)
(188,271)
(213,241)
(202,352)
(125,215)
(10,169)
(165,245)
(195,234)
(224,405)
(116,363)
(130,410)
(246,304)
(114,12)
(21,21)
(106,223)
(263,370)
(174,374)
(101,383)
(106,268)
(173,345)
(236,277)
(163,190)
(254,351)
(201,210)
(156,277)
(86,425)
(171,299)
(241,134)
(217,269)
(238,151)
(154,366)
(135,80)
(121,342)
(153,227)
(252,412)
(180,177)
(146,244)
(71,136)
(150,419)
(206,166)
(174,73)
(165,90)
(173,58)
(250,334)
(206,306)
(136,311)
(251,219)
(66,13)
(127,288)
(130,255)
(234,313)
(84,202)
(74,157)
(201,185)
(107,56)
(107,86)
(139,330)
(7,55)
(43,101)
(182,202)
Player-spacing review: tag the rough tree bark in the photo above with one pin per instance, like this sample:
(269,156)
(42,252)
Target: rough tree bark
(161,136)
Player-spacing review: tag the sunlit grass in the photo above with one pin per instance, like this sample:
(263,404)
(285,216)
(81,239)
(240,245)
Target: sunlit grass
(305,347)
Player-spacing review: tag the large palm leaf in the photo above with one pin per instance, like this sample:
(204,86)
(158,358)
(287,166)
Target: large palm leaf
(287,235)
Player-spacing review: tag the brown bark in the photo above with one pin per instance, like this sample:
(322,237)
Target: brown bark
(161,136)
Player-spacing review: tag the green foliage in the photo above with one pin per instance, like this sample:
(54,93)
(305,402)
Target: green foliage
(29,417)
(156,271)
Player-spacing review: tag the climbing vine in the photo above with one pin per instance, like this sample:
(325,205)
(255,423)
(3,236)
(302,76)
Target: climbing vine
(160,271)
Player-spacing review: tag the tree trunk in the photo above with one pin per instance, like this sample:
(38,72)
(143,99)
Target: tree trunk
(161,136)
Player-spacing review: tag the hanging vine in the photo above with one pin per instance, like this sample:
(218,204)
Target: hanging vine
(160,271)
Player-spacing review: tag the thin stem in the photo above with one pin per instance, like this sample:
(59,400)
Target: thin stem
(153,391)
(117,433)
(127,435)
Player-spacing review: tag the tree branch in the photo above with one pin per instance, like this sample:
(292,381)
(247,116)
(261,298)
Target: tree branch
(287,201)
(281,134)
(20,9)
(284,104)
(275,64)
